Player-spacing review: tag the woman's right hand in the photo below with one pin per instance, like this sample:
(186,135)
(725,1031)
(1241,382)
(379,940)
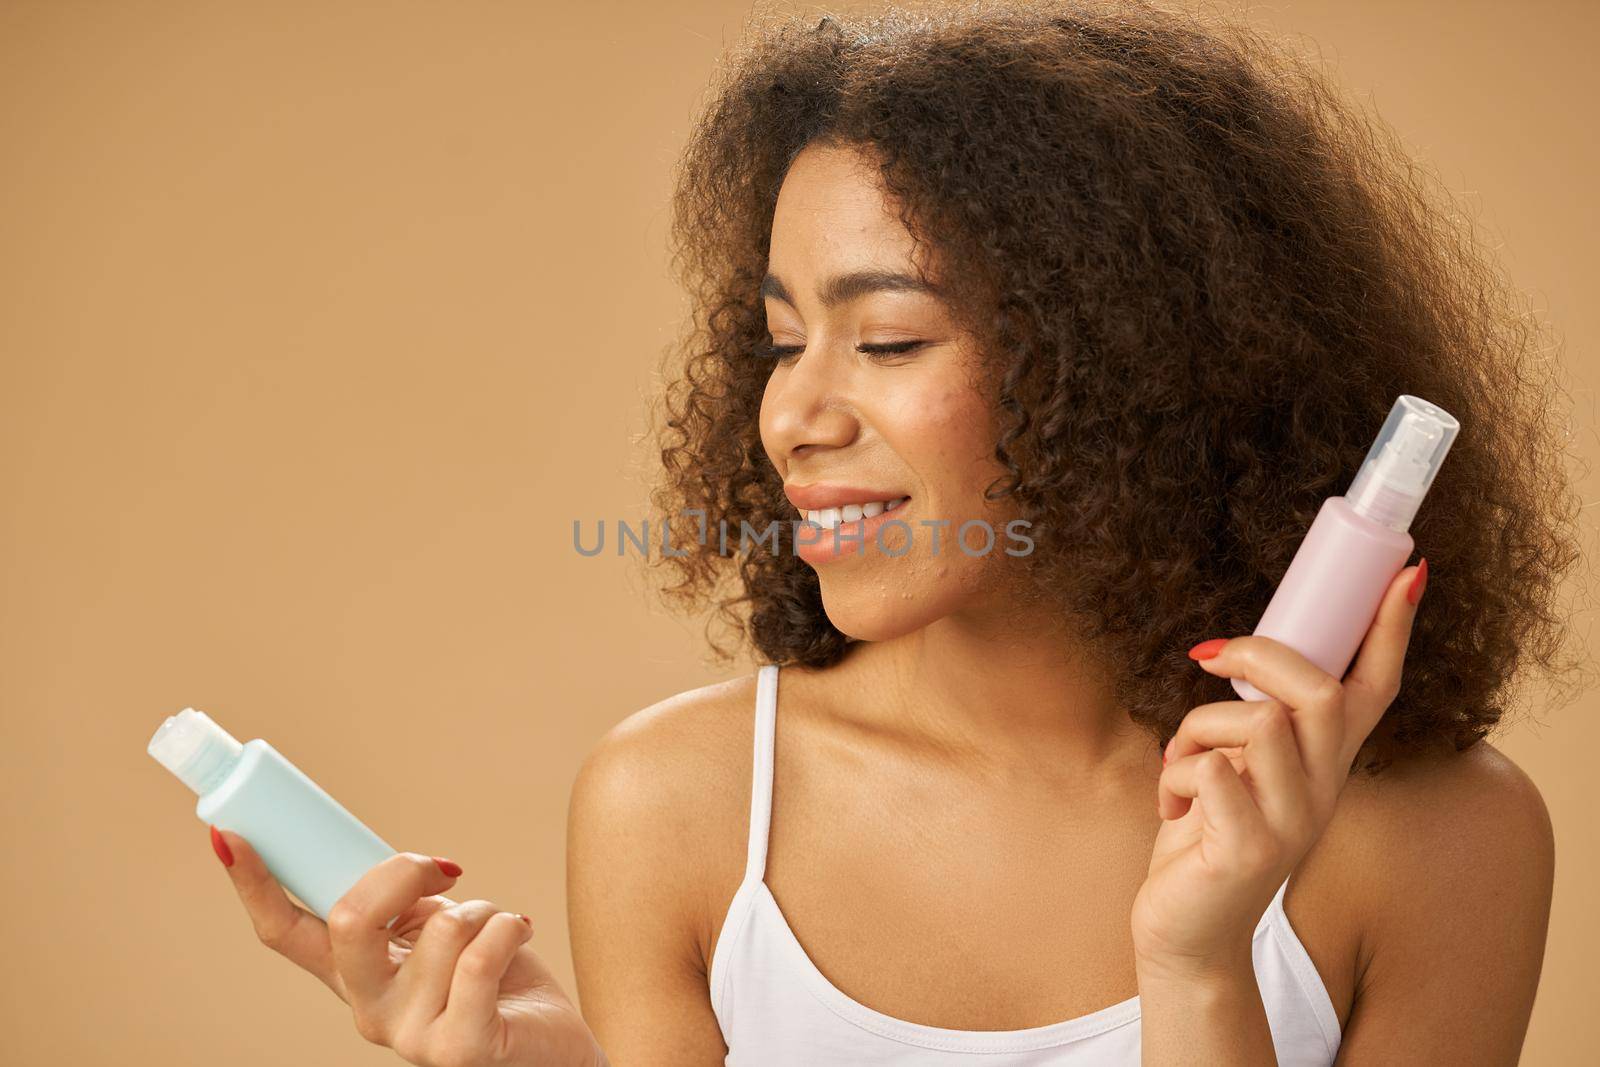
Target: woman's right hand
(447,985)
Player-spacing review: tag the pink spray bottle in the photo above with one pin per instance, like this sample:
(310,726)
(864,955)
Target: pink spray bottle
(1358,543)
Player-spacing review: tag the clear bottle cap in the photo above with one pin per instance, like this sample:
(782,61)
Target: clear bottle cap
(1401,464)
(195,749)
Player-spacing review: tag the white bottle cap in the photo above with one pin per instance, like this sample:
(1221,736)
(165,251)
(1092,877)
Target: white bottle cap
(195,749)
(1401,463)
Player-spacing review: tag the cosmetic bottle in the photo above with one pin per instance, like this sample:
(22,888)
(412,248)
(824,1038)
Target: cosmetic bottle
(314,847)
(1358,543)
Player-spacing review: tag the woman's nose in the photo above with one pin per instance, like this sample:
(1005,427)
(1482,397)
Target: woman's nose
(805,406)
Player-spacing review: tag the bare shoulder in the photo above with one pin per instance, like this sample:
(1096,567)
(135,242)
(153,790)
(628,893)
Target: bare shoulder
(1427,816)
(665,763)
(655,839)
(1444,866)
(665,792)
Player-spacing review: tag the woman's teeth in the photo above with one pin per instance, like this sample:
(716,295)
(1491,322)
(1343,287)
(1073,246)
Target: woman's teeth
(828,518)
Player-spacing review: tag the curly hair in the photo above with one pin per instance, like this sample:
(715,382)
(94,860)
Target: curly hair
(1199,279)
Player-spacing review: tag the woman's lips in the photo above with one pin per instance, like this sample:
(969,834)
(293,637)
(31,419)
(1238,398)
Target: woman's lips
(828,517)
(819,496)
(816,543)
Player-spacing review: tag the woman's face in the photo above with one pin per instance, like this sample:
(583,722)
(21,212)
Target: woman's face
(847,426)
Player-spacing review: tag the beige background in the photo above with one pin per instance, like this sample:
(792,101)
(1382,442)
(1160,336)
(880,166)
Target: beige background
(319,325)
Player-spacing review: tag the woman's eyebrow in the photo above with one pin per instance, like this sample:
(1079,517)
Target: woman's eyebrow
(843,288)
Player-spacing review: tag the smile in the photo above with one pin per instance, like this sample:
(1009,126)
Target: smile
(828,518)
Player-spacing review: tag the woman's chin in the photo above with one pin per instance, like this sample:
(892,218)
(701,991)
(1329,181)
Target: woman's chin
(876,619)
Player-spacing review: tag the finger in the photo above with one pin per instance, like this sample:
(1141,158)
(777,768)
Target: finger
(1373,683)
(431,967)
(1222,724)
(358,922)
(1270,751)
(280,924)
(1263,733)
(1236,827)
(408,925)
(474,1000)
(1209,727)
(1289,677)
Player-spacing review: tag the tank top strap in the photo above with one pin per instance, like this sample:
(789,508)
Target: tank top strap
(761,772)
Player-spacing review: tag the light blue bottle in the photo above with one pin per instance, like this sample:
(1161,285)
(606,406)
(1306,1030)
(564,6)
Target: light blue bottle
(314,847)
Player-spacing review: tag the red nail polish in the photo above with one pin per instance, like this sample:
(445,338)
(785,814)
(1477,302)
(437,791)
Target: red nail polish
(220,847)
(525,919)
(1414,594)
(1207,649)
(449,867)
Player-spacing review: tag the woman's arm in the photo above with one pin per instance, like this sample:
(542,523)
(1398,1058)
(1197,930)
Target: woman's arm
(636,871)
(1449,886)
(1246,791)
(1451,862)
(1214,1016)
(1460,863)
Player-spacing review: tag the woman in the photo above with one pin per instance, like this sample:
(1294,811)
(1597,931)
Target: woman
(1133,295)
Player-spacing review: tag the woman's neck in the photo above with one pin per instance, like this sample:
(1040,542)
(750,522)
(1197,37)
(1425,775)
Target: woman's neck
(1009,688)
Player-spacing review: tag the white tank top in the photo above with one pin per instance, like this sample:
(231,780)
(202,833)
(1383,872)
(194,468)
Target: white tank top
(776,1009)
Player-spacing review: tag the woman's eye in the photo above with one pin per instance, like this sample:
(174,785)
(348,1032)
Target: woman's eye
(876,351)
(896,349)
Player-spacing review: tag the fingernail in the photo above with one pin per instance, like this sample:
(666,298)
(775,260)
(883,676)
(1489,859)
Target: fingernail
(525,919)
(449,867)
(1207,649)
(1164,753)
(220,847)
(1414,594)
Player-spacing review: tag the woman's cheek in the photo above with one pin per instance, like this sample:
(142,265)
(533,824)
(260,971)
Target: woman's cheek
(946,419)
(955,437)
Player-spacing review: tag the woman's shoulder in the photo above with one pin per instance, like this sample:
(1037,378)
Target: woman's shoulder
(1403,839)
(655,828)
(1428,813)
(662,801)
(665,762)
(1435,850)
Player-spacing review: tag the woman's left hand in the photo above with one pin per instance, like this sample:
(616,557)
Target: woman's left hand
(1249,786)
